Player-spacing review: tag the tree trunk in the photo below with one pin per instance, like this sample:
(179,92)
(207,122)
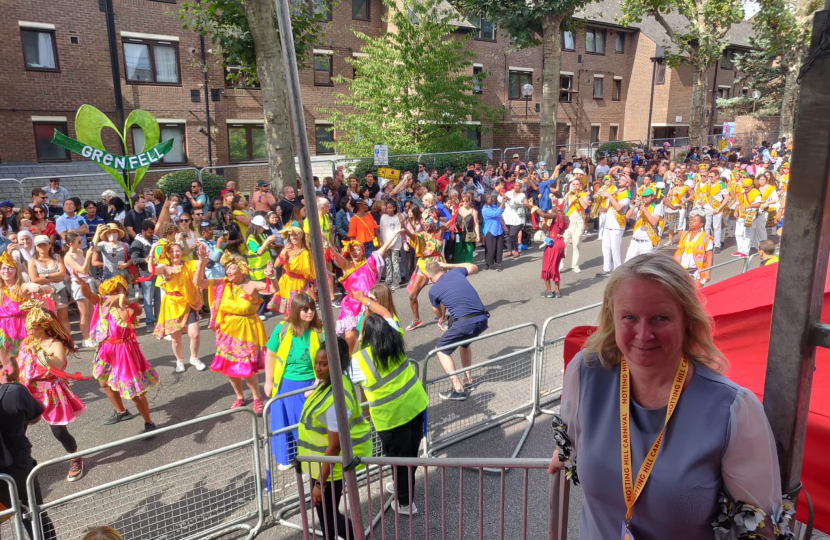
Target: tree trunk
(551,62)
(271,72)
(790,100)
(697,121)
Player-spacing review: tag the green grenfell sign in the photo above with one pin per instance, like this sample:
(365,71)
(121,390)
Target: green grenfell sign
(89,122)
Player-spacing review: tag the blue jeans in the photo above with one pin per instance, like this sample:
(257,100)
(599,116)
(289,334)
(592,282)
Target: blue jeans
(368,248)
(147,293)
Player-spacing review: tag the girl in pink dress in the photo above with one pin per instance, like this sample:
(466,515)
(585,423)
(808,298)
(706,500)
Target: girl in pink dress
(13,292)
(119,365)
(43,359)
(359,274)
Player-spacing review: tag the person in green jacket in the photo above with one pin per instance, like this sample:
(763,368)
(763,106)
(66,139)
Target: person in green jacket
(258,243)
(289,366)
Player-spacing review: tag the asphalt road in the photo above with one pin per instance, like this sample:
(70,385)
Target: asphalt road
(164,506)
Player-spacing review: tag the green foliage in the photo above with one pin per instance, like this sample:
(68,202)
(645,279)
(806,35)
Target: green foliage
(610,148)
(225,23)
(179,181)
(456,162)
(413,90)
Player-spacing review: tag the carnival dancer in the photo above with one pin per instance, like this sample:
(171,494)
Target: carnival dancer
(717,198)
(695,249)
(427,246)
(43,359)
(13,292)
(749,200)
(119,366)
(319,435)
(613,215)
(180,305)
(298,271)
(359,274)
(240,335)
(648,227)
(556,224)
(576,201)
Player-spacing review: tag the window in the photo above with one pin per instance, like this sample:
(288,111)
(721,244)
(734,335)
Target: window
(486,29)
(324,134)
(565,87)
(595,134)
(46,151)
(473,134)
(234,78)
(744,91)
(360,10)
(595,41)
(477,79)
(167,131)
(661,73)
(613,133)
(323,70)
(617,90)
(567,41)
(598,87)
(727,59)
(515,81)
(39,50)
(151,62)
(619,44)
(723,93)
(247,142)
(323,7)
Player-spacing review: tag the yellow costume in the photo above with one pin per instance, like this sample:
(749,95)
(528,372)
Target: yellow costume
(180,296)
(297,277)
(240,335)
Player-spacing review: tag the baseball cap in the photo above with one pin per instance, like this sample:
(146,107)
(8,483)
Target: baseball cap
(42,239)
(259,221)
(6,204)
(261,183)
(515,155)
(578,171)
(542,163)
(647,192)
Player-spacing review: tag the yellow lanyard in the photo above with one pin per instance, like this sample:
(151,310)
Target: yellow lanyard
(631,488)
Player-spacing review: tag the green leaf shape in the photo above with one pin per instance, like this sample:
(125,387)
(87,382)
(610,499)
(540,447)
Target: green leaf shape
(89,122)
(150,126)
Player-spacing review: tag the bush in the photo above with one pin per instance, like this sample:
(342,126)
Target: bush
(179,181)
(456,162)
(609,148)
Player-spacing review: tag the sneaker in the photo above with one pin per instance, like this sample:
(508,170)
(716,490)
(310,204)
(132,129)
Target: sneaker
(414,324)
(118,417)
(168,338)
(262,317)
(282,467)
(406,510)
(149,426)
(258,406)
(179,366)
(453,395)
(486,266)
(443,325)
(499,269)
(576,269)
(603,274)
(390,488)
(470,386)
(742,256)
(737,254)
(546,294)
(558,295)
(336,305)
(237,403)
(198,364)
(718,249)
(76,469)
(88,343)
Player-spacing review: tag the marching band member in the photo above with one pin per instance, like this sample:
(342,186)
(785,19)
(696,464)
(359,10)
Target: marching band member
(749,200)
(611,232)
(769,206)
(577,201)
(695,249)
(675,207)
(649,224)
(716,200)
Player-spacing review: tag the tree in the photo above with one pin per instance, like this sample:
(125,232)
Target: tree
(530,23)
(758,71)
(413,91)
(697,41)
(246,34)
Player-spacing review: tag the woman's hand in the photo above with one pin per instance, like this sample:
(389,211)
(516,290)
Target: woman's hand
(122,265)
(555,465)
(317,495)
(31,288)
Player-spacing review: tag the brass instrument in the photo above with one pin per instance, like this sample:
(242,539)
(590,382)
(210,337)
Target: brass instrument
(599,200)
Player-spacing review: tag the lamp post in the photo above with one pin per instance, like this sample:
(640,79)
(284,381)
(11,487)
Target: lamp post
(527,91)
(755,95)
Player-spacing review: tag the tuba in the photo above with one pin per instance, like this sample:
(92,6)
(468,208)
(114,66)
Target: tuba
(599,200)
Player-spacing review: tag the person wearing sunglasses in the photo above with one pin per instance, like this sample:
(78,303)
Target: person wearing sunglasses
(41,223)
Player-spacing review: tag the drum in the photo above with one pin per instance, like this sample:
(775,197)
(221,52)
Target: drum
(770,218)
(671,220)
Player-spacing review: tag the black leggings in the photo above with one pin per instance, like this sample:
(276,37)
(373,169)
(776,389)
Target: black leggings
(493,249)
(62,434)
(404,441)
(513,237)
(334,524)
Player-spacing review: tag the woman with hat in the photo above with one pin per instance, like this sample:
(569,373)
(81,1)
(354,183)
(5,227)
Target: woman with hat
(111,254)
(119,365)
(13,292)
(298,270)
(259,242)
(240,336)
(47,269)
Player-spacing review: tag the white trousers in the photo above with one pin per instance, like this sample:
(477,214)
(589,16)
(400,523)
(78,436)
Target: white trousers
(611,249)
(714,227)
(637,247)
(760,226)
(745,236)
(574,234)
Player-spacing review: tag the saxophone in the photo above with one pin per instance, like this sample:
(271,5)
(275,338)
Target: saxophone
(599,200)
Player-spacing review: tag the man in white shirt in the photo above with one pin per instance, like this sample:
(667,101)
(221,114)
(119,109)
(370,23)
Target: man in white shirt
(601,169)
(423,175)
(646,230)
(716,201)
(614,210)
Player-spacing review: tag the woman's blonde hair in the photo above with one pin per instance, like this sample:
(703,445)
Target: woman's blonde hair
(383,295)
(428,199)
(103,533)
(698,346)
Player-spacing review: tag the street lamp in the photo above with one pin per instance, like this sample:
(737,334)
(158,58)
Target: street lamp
(527,91)
(755,95)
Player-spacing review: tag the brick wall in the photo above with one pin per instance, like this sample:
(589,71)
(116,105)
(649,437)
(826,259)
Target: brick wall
(755,124)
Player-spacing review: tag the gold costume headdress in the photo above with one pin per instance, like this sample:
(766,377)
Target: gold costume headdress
(37,317)
(108,286)
(347,247)
(6,258)
(229,259)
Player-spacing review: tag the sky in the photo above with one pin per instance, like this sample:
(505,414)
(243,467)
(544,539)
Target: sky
(750,8)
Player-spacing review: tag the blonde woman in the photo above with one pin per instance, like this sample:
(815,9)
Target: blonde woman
(703,442)
(77,266)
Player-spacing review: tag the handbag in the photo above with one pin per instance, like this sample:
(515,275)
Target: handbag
(469,236)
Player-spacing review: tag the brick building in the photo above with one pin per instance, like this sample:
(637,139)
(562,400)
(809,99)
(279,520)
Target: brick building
(54,57)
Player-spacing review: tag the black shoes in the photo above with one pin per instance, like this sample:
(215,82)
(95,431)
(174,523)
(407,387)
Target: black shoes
(118,417)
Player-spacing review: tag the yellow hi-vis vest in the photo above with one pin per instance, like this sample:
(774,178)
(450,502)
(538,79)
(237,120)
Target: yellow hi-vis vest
(257,263)
(285,346)
(313,434)
(395,396)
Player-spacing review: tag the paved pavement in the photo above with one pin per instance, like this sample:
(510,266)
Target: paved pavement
(226,480)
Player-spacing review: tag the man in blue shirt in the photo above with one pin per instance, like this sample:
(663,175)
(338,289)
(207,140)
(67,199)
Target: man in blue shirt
(451,292)
(92,219)
(544,190)
(70,222)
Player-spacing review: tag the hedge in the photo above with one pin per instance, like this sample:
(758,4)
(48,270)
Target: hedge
(178,182)
(609,148)
(456,162)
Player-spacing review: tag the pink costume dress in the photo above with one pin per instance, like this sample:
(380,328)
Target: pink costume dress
(48,385)
(12,321)
(119,361)
(240,335)
(362,278)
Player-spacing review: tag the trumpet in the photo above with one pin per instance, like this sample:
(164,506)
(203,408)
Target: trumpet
(599,200)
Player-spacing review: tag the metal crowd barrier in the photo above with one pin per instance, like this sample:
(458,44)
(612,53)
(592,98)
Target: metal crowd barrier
(14,193)
(505,390)
(203,496)
(11,519)
(442,496)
